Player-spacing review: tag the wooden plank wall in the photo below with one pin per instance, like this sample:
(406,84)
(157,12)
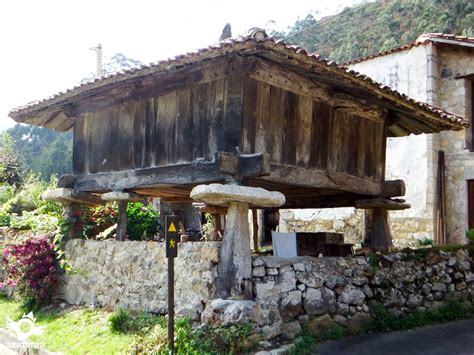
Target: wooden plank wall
(190,123)
(174,128)
(297,130)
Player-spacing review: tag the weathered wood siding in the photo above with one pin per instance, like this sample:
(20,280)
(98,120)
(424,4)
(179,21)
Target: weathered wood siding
(190,123)
(297,130)
(177,127)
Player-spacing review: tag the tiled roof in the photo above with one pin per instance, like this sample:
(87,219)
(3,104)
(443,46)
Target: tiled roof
(420,41)
(256,40)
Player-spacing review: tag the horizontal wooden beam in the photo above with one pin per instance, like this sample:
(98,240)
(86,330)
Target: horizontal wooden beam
(324,201)
(316,178)
(395,204)
(197,172)
(323,179)
(393,188)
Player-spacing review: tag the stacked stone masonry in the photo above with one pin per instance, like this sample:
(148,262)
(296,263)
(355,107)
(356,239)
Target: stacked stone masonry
(288,292)
(134,275)
(319,292)
(322,292)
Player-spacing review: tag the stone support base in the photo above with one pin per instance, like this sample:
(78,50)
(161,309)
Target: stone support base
(234,271)
(378,237)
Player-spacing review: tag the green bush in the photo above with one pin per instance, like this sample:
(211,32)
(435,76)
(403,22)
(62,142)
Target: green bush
(96,220)
(425,242)
(38,223)
(151,335)
(307,340)
(143,222)
(6,193)
(470,236)
(126,321)
(27,198)
(384,321)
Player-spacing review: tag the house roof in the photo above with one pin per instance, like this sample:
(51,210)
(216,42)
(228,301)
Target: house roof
(57,112)
(420,41)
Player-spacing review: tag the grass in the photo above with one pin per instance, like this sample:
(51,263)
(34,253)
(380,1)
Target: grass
(73,331)
(96,331)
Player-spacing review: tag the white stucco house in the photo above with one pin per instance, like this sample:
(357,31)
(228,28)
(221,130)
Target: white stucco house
(439,70)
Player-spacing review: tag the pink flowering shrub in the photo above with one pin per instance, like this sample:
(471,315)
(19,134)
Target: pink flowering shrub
(31,266)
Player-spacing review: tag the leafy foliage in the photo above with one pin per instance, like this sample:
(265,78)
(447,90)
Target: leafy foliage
(16,203)
(207,227)
(11,166)
(31,266)
(45,152)
(377,26)
(384,321)
(470,236)
(126,321)
(307,340)
(151,335)
(96,220)
(425,242)
(143,222)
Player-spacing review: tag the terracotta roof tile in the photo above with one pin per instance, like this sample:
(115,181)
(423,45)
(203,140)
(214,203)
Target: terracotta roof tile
(421,40)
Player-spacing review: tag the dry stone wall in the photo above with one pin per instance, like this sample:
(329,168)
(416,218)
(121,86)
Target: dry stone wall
(133,275)
(320,292)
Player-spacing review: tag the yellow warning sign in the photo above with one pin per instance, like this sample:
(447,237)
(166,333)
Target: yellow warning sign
(172,228)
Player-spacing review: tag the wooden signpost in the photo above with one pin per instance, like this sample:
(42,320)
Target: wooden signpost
(171,236)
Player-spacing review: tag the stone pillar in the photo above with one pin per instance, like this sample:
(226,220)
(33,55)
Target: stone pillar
(378,236)
(121,232)
(377,230)
(73,214)
(234,272)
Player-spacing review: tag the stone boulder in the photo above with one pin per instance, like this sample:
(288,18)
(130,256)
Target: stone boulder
(320,324)
(291,305)
(319,301)
(352,295)
(228,312)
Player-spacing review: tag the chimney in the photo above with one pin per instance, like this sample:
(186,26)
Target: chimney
(226,32)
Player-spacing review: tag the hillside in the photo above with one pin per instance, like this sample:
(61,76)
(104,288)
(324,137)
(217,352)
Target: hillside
(377,26)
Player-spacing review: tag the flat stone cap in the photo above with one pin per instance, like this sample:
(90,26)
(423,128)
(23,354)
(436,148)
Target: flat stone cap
(222,195)
(65,195)
(121,196)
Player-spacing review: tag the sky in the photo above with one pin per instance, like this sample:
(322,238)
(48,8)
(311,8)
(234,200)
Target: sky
(45,44)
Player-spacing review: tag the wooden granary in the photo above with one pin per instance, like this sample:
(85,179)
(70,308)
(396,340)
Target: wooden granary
(251,110)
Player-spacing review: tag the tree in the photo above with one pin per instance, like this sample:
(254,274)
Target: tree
(45,152)
(11,166)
